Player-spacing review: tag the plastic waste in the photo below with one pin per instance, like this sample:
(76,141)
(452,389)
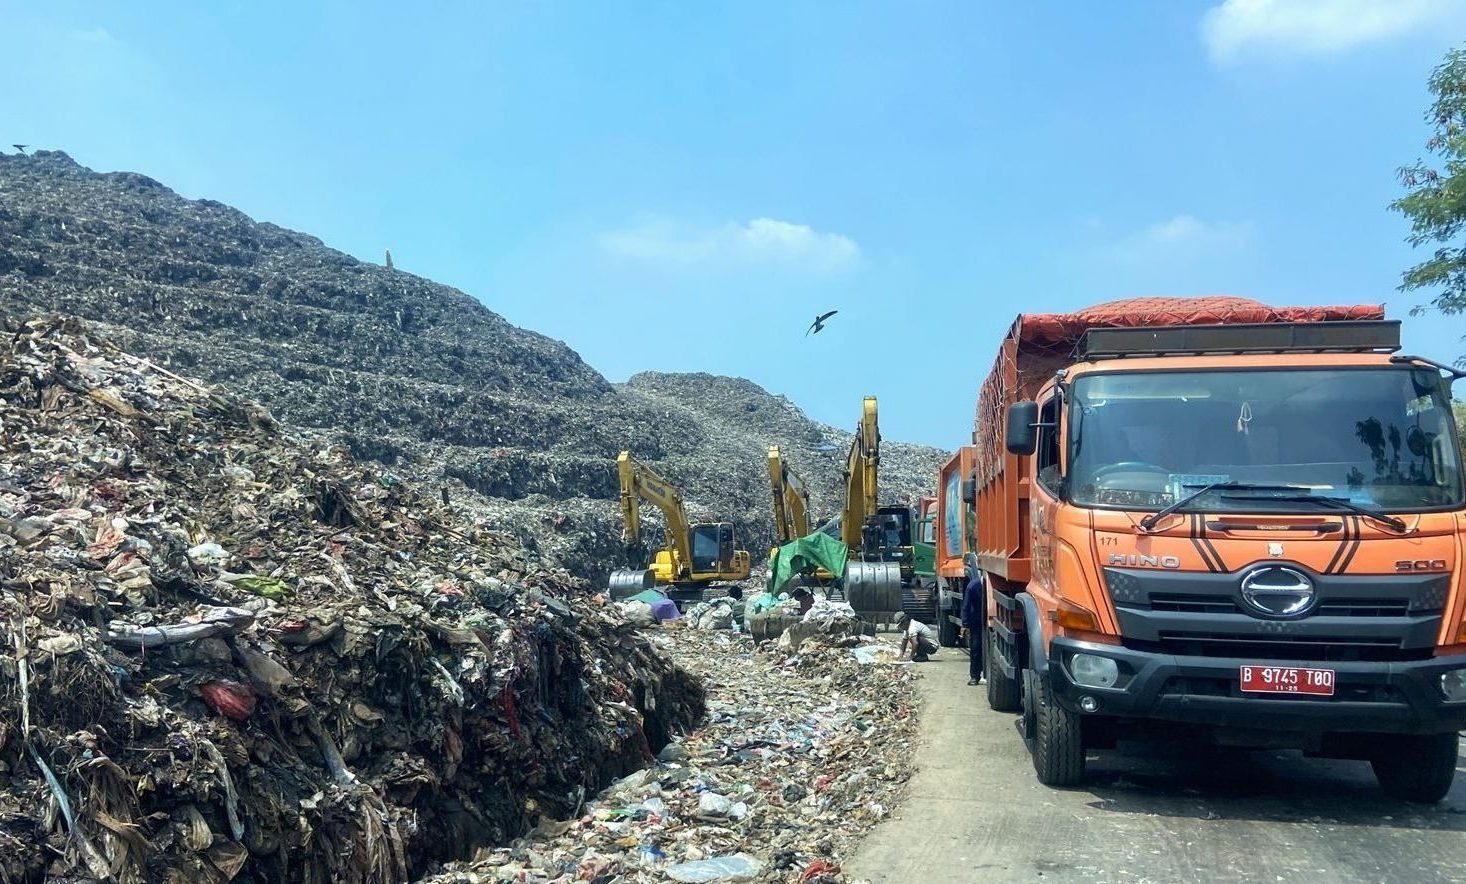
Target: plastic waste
(208,554)
(711,804)
(738,867)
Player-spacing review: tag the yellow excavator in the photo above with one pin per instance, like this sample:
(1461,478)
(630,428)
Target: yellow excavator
(791,500)
(878,537)
(693,556)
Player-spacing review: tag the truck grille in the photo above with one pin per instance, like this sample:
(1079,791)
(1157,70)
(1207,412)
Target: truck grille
(1355,617)
(1334,608)
(1301,648)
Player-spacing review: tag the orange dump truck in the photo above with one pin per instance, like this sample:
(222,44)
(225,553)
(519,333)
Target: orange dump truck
(1214,519)
(956,561)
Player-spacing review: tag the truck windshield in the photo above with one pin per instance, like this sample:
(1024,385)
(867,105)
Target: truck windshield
(1379,437)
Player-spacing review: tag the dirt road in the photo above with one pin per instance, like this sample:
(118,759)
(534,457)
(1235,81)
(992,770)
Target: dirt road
(1148,813)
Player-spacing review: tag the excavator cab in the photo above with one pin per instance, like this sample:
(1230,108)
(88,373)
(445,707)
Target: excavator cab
(888,537)
(712,547)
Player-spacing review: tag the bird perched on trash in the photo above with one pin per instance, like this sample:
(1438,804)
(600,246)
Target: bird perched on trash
(21,148)
(389,259)
(819,323)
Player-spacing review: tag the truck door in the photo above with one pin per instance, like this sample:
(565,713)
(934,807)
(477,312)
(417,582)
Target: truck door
(1044,508)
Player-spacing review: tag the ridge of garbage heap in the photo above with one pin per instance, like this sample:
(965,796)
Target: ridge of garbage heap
(232,653)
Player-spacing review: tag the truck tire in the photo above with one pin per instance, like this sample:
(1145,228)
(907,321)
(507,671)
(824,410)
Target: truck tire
(1418,768)
(947,630)
(1004,693)
(1055,735)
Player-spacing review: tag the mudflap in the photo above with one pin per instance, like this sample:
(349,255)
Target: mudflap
(1010,635)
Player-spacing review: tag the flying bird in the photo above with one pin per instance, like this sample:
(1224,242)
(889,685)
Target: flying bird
(21,148)
(819,323)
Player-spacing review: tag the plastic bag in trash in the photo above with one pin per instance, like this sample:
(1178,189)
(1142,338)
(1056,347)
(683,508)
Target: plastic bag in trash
(868,654)
(711,804)
(636,612)
(738,867)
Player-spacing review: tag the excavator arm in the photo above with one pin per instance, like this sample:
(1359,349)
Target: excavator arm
(791,499)
(639,483)
(873,588)
(692,556)
(861,469)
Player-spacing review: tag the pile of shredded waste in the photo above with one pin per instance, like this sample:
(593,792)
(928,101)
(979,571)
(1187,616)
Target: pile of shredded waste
(232,653)
(803,751)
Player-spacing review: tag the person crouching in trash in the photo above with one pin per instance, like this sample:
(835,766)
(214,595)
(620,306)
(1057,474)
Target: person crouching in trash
(918,636)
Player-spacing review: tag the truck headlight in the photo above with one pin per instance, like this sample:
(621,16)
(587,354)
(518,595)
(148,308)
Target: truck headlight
(1453,684)
(1100,672)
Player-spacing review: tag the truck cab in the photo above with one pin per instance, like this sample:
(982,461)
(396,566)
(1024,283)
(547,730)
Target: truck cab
(1249,535)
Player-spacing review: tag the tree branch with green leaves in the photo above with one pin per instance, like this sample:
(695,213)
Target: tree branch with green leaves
(1436,201)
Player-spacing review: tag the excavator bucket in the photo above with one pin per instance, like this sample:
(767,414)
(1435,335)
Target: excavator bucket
(629,581)
(873,588)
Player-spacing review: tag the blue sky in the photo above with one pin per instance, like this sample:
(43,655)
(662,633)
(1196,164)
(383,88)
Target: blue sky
(682,186)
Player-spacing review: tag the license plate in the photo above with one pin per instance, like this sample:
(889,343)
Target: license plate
(1288,680)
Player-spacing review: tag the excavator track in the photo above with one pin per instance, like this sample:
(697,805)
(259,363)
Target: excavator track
(921,602)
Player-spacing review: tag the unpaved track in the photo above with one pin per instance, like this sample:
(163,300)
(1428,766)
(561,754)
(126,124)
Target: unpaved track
(1148,813)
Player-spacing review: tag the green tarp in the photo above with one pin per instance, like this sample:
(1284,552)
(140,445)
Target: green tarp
(802,556)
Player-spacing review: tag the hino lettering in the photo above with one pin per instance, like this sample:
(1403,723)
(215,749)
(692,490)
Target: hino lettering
(1135,561)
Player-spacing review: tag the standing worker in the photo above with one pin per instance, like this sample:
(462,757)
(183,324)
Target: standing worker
(919,636)
(973,614)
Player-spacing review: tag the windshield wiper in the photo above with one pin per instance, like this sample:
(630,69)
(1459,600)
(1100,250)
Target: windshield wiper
(1149,522)
(1339,503)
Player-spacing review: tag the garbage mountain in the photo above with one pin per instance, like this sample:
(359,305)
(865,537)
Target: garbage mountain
(410,373)
(232,652)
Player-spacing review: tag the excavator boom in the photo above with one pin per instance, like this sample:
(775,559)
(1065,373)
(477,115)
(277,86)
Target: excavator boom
(791,499)
(639,483)
(861,468)
(871,587)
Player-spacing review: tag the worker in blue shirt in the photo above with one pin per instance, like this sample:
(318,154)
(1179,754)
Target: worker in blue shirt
(974,617)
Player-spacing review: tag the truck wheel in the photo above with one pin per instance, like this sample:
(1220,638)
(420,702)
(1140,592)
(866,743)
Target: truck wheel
(1056,738)
(1004,694)
(1417,768)
(946,629)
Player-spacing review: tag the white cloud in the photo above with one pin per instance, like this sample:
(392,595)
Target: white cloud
(97,36)
(1182,239)
(760,242)
(1316,27)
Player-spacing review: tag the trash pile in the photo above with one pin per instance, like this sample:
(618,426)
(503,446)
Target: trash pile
(802,753)
(233,653)
(407,372)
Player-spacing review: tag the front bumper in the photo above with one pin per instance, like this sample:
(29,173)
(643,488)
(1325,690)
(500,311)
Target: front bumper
(1394,697)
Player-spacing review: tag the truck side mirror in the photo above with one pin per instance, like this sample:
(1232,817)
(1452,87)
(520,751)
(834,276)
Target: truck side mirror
(1022,428)
(969,492)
